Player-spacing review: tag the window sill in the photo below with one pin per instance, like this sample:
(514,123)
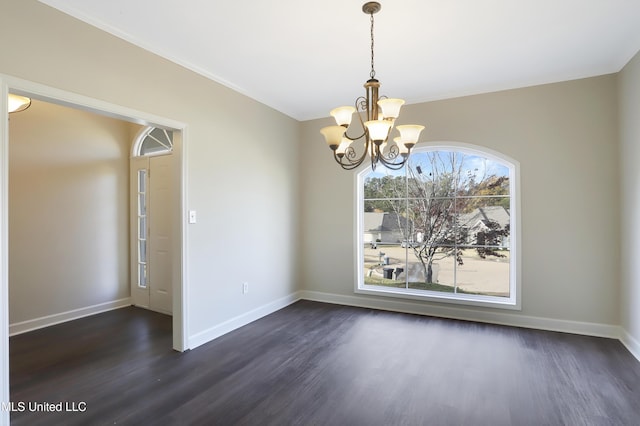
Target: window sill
(433,296)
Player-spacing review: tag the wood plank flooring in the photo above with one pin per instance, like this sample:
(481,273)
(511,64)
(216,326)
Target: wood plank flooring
(320,364)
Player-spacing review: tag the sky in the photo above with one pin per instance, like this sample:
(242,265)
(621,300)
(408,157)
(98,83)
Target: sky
(469,164)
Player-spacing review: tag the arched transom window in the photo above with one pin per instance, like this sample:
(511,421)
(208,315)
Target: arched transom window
(153,141)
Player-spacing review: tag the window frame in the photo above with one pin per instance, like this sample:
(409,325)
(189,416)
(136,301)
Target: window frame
(142,232)
(513,302)
(144,134)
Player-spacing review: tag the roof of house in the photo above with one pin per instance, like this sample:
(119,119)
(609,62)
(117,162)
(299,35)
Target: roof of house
(383,222)
(485,214)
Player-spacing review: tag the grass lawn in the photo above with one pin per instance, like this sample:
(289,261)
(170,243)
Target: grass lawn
(385,282)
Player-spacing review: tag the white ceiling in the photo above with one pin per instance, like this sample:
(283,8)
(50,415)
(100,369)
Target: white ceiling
(304,57)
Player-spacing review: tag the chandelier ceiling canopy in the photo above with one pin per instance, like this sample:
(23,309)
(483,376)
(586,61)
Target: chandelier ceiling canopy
(377,115)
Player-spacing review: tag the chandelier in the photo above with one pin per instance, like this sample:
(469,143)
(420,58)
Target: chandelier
(377,115)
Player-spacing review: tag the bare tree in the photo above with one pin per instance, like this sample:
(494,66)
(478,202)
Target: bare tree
(438,189)
(432,209)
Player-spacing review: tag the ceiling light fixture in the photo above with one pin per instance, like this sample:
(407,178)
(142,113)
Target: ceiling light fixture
(18,103)
(381,113)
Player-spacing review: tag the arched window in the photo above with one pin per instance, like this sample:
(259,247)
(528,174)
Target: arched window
(153,141)
(444,227)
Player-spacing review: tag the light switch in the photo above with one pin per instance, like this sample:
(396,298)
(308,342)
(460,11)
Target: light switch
(192,216)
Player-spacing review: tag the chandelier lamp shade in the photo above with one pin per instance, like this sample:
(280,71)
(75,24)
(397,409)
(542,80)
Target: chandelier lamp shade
(377,115)
(18,103)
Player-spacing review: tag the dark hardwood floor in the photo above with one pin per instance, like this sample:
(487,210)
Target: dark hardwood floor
(320,364)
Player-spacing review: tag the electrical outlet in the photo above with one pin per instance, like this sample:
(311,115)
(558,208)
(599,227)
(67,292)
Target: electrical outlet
(245,288)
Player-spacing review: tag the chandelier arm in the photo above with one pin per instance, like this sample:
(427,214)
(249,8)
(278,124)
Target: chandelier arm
(350,165)
(347,161)
(394,152)
(389,161)
(364,108)
(362,157)
(393,165)
(361,106)
(355,139)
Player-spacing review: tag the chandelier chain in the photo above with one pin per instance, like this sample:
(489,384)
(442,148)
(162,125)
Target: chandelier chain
(372,74)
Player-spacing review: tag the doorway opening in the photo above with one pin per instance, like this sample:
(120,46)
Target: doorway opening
(47,94)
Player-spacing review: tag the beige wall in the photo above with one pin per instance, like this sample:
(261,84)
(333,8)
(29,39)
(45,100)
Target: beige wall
(68,210)
(564,136)
(241,155)
(629,95)
(282,227)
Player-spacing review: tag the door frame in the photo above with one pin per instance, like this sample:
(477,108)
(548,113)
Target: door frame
(73,100)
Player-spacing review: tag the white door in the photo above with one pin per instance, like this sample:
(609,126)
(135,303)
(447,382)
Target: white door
(160,273)
(151,273)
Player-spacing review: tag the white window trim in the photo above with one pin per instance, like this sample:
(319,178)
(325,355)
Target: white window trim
(142,261)
(513,302)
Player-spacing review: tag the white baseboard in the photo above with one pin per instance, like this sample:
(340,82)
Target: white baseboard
(630,343)
(492,317)
(49,320)
(241,320)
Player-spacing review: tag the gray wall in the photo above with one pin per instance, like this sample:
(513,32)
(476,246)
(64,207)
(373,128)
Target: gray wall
(282,227)
(241,155)
(565,137)
(629,95)
(68,210)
